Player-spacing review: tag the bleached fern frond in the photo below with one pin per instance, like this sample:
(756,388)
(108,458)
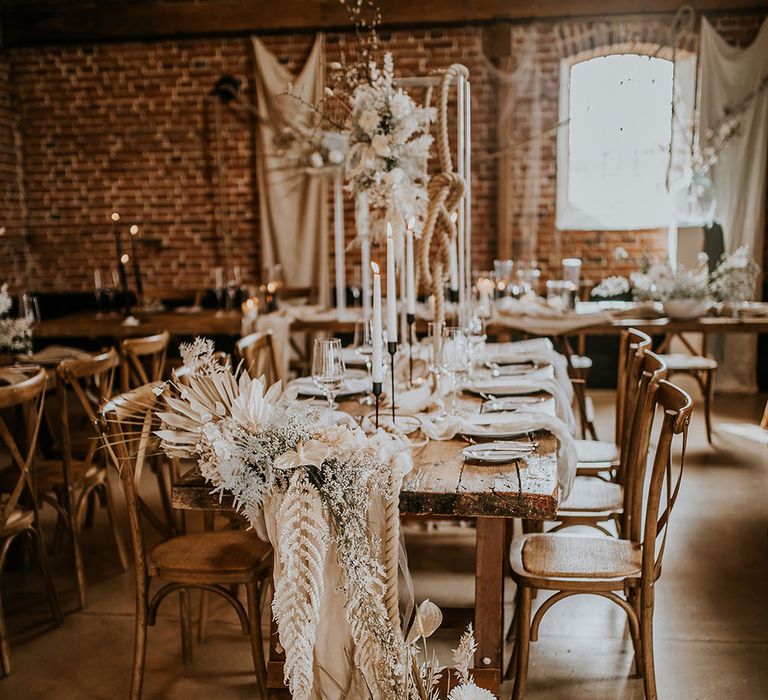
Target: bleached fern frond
(464,654)
(302,546)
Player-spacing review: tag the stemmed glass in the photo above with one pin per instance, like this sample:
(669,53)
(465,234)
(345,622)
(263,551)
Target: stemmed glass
(455,358)
(328,369)
(363,344)
(476,336)
(99,292)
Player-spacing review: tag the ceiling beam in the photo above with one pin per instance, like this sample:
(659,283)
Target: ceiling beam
(78,21)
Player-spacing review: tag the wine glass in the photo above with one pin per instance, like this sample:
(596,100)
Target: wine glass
(476,335)
(113,284)
(328,369)
(455,358)
(363,344)
(99,291)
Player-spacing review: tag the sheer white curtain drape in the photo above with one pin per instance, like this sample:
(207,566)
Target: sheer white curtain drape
(293,206)
(727,75)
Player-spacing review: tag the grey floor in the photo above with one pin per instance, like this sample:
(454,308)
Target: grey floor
(711,618)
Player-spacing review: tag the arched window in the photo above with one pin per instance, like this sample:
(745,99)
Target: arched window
(614,152)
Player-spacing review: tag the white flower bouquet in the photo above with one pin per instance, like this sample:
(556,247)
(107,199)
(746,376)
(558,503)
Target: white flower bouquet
(14,332)
(389,151)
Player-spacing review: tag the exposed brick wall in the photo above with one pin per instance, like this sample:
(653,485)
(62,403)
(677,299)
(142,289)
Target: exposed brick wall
(12,239)
(129,126)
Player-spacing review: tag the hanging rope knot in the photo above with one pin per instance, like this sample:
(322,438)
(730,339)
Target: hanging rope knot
(445,190)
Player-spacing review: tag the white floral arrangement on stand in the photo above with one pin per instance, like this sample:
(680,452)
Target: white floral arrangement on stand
(319,492)
(389,150)
(14,332)
(735,277)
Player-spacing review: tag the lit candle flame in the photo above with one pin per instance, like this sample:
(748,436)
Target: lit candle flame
(115,216)
(454,217)
(124,258)
(411,223)
(133,230)
(375,268)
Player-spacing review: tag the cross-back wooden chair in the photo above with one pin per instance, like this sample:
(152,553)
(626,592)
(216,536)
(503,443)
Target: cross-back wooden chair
(594,501)
(70,483)
(18,509)
(624,571)
(143,360)
(209,561)
(696,364)
(595,457)
(259,356)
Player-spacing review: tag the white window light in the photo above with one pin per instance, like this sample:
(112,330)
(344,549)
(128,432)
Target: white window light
(612,157)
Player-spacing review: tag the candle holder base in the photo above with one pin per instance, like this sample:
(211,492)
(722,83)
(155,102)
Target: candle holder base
(377,393)
(392,350)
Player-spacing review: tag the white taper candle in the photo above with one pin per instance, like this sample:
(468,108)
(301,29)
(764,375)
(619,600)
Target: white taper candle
(391,288)
(378,350)
(410,279)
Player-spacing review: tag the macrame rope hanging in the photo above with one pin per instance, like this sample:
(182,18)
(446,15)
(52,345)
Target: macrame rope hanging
(446,188)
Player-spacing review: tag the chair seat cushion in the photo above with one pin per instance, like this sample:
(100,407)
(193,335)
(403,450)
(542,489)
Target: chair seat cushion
(50,473)
(596,451)
(680,362)
(565,556)
(225,553)
(580,361)
(590,493)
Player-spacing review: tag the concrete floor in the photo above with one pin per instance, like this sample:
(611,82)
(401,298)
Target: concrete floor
(711,617)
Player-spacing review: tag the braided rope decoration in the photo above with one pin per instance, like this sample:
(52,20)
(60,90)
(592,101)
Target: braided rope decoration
(445,190)
(392,548)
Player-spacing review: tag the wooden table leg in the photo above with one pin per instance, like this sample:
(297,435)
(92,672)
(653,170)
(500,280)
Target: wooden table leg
(489,602)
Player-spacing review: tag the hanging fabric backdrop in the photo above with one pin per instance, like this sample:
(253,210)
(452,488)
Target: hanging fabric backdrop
(293,206)
(728,74)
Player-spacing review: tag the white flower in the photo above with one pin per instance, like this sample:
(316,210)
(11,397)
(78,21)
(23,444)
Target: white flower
(316,160)
(309,453)
(394,177)
(428,618)
(253,405)
(368,121)
(335,157)
(611,287)
(400,105)
(380,145)
(470,691)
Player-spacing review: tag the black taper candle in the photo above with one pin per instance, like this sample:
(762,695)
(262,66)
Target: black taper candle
(392,349)
(134,231)
(120,264)
(377,394)
(411,319)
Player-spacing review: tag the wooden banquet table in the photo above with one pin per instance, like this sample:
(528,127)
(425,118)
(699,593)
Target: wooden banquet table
(441,484)
(209,322)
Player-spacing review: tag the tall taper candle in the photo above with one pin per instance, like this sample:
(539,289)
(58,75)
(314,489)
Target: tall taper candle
(410,279)
(378,340)
(120,261)
(365,254)
(134,231)
(391,288)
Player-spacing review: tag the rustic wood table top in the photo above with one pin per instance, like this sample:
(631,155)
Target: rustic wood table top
(210,322)
(442,483)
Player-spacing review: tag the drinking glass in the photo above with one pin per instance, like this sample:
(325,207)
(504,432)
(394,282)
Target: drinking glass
(113,284)
(476,335)
(363,344)
(356,288)
(29,310)
(99,291)
(328,369)
(455,358)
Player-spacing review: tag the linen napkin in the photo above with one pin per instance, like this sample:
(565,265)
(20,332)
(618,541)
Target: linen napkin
(521,385)
(539,350)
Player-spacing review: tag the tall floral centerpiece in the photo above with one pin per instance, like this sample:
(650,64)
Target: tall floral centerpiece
(386,168)
(327,500)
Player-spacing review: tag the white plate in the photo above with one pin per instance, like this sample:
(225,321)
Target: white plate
(351,386)
(403,424)
(496,452)
(500,387)
(494,432)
